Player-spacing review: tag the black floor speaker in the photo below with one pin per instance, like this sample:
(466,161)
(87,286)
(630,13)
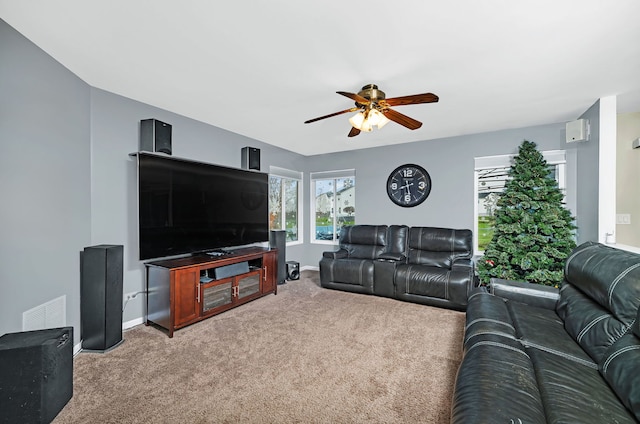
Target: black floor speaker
(278,240)
(36,374)
(101,297)
(293,270)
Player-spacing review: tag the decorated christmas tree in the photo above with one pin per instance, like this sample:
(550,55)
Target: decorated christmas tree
(534,232)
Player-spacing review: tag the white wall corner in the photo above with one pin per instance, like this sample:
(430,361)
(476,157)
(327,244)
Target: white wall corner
(607,169)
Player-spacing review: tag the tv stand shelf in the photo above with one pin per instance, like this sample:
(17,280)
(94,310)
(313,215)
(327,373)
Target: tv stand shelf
(184,291)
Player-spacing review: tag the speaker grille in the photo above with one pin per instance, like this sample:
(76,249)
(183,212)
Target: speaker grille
(277,240)
(293,270)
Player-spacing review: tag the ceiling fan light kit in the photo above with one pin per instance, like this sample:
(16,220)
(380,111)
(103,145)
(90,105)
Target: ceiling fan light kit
(365,121)
(374,109)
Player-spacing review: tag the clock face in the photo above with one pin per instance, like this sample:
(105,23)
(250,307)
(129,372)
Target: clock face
(408,185)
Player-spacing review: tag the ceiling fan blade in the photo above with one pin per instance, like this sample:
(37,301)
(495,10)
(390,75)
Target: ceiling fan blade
(412,100)
(353,109)
(354,132)
(358,98)
(401,119)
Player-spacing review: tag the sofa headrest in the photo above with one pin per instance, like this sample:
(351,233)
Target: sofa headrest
(364,241)
(609,276)
(439,246)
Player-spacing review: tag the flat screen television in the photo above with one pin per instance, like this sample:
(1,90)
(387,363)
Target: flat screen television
(189,207)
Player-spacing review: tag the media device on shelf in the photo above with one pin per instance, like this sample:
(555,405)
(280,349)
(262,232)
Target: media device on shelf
(186,206)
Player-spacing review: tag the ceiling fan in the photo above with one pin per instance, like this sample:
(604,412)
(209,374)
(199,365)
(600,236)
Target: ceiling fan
(374,109)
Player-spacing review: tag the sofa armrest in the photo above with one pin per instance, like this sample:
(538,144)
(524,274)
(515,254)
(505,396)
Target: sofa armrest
(338,254)
(521,291)
(463,264)
(392,257)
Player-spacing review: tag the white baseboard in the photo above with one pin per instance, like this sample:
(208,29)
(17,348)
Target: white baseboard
(310,268)
(129,324)
(125,326)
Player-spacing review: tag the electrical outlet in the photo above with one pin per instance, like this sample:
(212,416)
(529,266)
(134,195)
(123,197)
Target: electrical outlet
(129,296)
(623,219)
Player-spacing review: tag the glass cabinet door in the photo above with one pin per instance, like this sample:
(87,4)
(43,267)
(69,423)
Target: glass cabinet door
(249,284)
(217,294)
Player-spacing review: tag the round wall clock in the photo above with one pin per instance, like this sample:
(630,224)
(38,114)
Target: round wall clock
(408,185)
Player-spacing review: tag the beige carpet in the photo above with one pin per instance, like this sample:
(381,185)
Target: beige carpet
(306,355)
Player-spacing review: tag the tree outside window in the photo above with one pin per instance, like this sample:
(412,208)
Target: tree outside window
(284,196)
(335,206)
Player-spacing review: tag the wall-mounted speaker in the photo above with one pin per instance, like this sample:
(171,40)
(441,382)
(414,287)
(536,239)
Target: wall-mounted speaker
(36,374)
(250,158)
(577,131)
(155,136)
(278,240)
(101,297)
(293,270)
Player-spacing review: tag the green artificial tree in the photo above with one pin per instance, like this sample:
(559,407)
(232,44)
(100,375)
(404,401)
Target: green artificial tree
(534,232)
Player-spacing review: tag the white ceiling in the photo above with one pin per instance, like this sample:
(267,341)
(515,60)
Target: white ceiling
(261,68)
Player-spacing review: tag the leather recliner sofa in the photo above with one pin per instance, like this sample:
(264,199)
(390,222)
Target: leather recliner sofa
(536,354)
(427,265)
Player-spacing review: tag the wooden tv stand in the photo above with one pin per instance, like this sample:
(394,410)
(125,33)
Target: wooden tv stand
(183,291)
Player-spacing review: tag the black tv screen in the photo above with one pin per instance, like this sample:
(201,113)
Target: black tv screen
(188,207)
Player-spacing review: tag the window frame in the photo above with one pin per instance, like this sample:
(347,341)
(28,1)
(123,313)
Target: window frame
(288,174)
(327,175)
(557,158)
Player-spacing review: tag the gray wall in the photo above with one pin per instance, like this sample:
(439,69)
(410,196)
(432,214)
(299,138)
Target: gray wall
(45,178)
(450,163)
(114,135)
(587,174)
(68,181)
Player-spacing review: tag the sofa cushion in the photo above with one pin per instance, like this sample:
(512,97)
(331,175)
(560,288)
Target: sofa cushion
(438,246)
(620,368)
(357,272)
(487,314)
(436,282)
(574,393)
(364,241)
(591,325)
(496,367)
(542,329)
(608,276)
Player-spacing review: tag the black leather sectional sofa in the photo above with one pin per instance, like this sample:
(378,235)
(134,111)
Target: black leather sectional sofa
(425,265)
(535,354)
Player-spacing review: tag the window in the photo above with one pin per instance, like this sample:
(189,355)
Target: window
(334,203)
(491,173)
(284,202)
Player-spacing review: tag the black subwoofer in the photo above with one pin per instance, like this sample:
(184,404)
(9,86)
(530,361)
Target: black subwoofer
(293,270)
(101,297)
(36,374)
